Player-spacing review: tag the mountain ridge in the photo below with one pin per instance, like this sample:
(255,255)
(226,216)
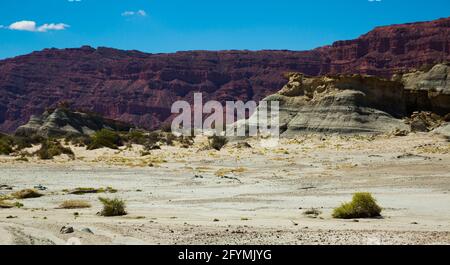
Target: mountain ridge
(139,88)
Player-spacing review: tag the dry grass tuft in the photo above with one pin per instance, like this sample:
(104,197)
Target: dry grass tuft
(27,194)
(75,204)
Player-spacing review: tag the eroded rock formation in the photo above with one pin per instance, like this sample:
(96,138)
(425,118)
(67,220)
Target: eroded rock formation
(356,104)
(62,122)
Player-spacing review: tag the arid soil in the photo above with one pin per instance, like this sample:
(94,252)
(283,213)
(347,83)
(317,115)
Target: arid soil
(239,195)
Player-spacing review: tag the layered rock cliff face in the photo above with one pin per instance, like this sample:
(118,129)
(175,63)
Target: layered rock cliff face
(140,88)
(428,90)
(358,104)
(344,104)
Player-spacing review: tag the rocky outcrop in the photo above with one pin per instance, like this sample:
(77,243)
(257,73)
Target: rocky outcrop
(417,101)
(343,104)
(424,121)
(63,122)
(429,90)
(140,88)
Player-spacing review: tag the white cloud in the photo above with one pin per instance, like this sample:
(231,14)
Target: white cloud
(128,13)
(26,25)
(52,26)
(140,12)
(72,1)
(23,25)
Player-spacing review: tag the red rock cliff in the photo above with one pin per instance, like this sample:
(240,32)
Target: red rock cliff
(140,88)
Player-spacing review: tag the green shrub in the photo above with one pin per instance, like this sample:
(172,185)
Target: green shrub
(136,137)
(52,148)
(217,142)
(5,147)
(22,142)
(112,207)
(105,138)
(78,140)
(363,205)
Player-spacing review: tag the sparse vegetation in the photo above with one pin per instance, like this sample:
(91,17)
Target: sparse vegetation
(112,207)
(51,148)
(217,142)
(78,140)
(26,194)
(75,204)
(22,142)
(363,205)
(186,141)
(136,137)
(105,138)
(169,138)
(5,146)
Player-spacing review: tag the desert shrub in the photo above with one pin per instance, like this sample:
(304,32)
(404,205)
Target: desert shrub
(75,204)
(153,137)
(169,138)
(5,146)
(22,142)
(52,148)
(26,194)
(78,140)
(217,142)
(136,137)
(363,205)
(186,141)
(105,138)
(112,207)
(8,205)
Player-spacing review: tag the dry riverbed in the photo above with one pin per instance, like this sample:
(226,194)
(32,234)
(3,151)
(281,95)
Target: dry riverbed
(238,195)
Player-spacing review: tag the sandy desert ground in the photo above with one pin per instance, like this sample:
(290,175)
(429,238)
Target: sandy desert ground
(240,195)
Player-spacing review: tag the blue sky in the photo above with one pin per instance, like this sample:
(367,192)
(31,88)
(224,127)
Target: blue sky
(173,25)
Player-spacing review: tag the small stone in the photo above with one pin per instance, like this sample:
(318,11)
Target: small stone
(5,187)
(67,230)
(40,187)
(87,230)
